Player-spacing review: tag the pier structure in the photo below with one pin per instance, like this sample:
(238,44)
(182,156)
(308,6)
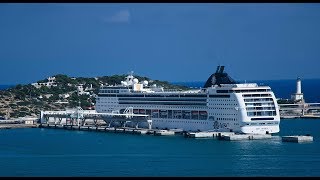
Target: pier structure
(299,108)
(79,117)
(308,110)
(297,138)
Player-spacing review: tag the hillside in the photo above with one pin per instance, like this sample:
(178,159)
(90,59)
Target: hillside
(60,92)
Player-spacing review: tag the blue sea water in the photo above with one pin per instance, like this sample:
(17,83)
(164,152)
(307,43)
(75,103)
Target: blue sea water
(4,87)
(50,152)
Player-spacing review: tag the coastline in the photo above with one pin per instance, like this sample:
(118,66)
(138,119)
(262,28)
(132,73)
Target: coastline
(15,126)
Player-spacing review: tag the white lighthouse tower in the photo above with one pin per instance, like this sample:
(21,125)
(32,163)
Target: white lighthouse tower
(298,96)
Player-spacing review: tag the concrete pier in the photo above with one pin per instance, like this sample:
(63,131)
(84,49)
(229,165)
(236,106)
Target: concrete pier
(141,131)
(102,128)
(177,131)
(129,131)
(226,136)
(13,126)
(207,134)
(164,133)
(110,129)
(84,128)
(201,134)
(120,130)
(260,136)
(238,137)
(297,139)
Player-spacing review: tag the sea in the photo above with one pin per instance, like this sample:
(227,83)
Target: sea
(4,87)
(37,152)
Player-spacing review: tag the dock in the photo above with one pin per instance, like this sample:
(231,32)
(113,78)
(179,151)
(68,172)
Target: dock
(237,137)
(228,136)
(296,107)
(224,136)
(297,139)
(87,120)
(299,110)
(19,123)
(14,126)
(207,134)
(126,130)
(177,131)
(163,133)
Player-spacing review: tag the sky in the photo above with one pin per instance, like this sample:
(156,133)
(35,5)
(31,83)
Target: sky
(173,42)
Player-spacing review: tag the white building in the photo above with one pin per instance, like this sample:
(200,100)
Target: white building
(47,95)
(80,90)
(89,88)
(298,96)
(51,81)
(29,121)
(66,95)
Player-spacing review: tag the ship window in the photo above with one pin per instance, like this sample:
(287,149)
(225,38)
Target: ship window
(262,118)
(219,96)
(222,91)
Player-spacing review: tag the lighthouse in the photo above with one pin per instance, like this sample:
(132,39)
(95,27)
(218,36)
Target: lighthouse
(298,96)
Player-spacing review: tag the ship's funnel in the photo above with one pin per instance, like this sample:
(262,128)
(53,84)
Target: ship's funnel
(221,69)
(218,78)
(217,69)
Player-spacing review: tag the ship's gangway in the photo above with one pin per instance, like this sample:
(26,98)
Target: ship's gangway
(79,116)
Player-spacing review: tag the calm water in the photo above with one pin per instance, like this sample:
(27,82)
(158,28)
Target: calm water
(3,87)
(49,152)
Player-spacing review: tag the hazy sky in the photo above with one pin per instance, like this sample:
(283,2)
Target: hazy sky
(172,42)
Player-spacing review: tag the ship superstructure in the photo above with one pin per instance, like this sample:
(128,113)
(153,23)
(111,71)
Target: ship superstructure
(221,105)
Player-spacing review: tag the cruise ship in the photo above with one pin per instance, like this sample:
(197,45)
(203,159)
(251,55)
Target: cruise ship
(221,105)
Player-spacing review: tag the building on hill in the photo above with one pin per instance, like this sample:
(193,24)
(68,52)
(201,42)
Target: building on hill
(51,81)
(64,96)
(80,90)
(89,88)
